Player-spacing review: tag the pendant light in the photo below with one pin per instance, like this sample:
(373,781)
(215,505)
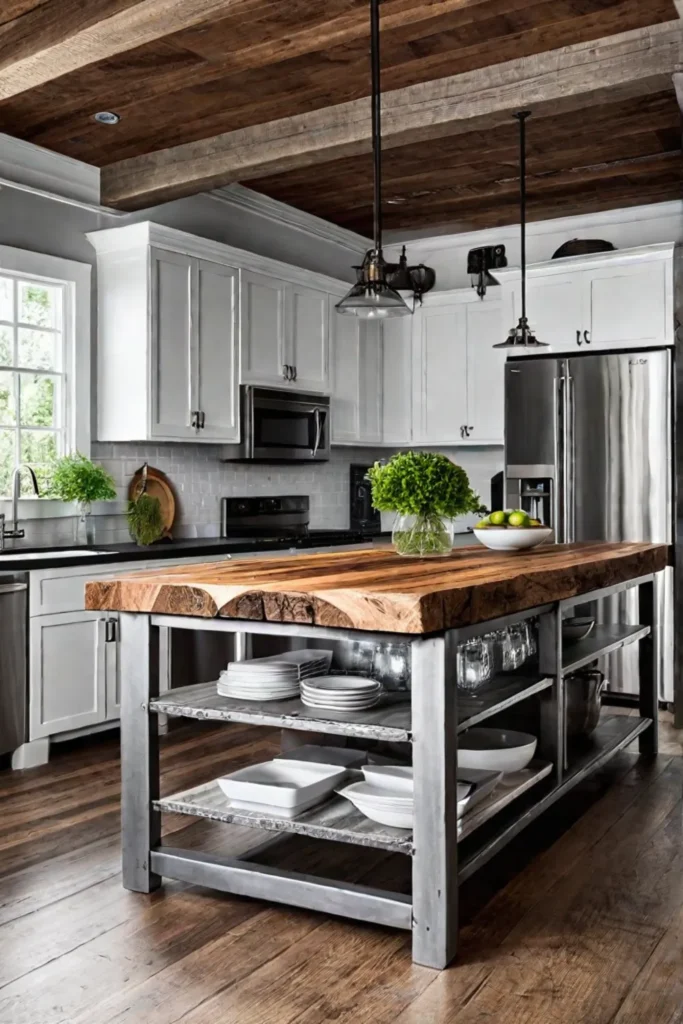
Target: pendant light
(372,297)
(521,335)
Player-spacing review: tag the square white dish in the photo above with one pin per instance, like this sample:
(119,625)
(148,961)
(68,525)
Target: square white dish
(289,786)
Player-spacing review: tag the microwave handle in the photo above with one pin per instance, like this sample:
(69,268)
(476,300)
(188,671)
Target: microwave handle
(318,432)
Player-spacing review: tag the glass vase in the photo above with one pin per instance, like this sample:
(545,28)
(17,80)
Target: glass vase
(84,525)
(424,536)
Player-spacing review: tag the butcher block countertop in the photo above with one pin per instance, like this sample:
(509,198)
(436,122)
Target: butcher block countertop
(376,589)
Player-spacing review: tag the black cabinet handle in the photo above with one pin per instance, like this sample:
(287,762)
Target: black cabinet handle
(195,420)
(586,337)
(462,432)
(468,430)
(578,338)
(294,374)
(285,372)
(202,420)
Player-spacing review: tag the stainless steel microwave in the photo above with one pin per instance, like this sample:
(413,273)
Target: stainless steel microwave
(283,426)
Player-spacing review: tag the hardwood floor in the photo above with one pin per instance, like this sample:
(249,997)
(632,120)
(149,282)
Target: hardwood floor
(579,920)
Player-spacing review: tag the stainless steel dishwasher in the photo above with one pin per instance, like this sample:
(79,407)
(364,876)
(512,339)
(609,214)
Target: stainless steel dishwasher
(13,661)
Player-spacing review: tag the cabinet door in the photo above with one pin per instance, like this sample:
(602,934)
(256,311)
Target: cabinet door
(172,354)
(67,672)
(370,383)
(262,329)
(554,309)
(217,390)
(629,305)
(440,375)
(308,338)
(485,374)
(345,376)
(397,386)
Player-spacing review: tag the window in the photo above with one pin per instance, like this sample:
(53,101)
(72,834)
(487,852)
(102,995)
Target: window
(44,363)
(32,378)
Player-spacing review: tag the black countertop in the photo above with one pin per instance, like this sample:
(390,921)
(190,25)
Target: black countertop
(23,559)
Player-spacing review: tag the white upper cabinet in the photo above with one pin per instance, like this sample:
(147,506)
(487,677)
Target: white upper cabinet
(263,330)
(285,334)
(458,377)
(440,374)
(629,305)
(217,358)
(485,374)
(356,379)
(397,381)
(622,299)
(167,343)
(172,356)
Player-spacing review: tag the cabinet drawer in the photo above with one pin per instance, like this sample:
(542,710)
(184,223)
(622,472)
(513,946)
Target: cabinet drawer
(63,590)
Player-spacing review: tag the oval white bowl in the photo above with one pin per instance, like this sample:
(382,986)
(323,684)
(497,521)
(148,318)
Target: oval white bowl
(512,538)
(498,750)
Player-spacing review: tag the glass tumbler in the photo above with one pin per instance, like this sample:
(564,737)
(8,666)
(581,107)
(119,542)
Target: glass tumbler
(473,664)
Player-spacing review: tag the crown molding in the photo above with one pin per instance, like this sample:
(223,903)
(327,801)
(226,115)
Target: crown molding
(28,164)
(592,261)
(473,239)
(131,237)
(297,220)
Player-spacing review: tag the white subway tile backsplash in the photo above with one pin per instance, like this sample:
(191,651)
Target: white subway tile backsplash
(200,480)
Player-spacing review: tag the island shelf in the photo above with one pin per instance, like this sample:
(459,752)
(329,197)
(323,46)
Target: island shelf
(428,605)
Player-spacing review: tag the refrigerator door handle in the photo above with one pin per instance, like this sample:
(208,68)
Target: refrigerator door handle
(568,468)
(558,403)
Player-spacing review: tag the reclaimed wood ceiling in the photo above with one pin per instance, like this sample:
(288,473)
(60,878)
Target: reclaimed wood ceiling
(182,72)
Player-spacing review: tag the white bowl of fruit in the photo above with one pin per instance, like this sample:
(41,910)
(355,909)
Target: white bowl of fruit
(511,530)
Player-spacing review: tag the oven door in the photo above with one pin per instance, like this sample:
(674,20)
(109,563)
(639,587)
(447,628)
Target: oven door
(288,428)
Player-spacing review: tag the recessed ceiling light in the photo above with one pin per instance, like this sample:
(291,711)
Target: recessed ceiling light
(107,117)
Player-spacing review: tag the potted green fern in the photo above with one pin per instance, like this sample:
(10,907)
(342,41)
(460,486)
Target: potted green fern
(427,492)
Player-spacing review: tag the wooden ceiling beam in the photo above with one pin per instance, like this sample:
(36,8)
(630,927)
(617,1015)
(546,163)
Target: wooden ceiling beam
(63,44)
(626,65)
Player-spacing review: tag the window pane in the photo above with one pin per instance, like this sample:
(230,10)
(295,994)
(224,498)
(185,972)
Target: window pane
(37,349)
(7,438)
(38,406)
(6,298)
(8,414)
(38,448)
(6,357)
(40,304)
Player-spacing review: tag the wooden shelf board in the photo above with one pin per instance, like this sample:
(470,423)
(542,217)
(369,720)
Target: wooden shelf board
(603,640)
(389,722)
(487,703)
(336,819)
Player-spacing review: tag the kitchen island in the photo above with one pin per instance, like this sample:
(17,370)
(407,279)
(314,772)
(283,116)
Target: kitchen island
(429,606)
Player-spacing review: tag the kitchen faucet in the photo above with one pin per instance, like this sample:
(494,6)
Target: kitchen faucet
(15,533)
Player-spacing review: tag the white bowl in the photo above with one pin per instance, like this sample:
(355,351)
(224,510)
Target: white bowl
(378,806)
(397,780)
(498,750)
(512,538)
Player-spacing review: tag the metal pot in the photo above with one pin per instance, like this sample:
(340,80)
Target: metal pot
(583,699)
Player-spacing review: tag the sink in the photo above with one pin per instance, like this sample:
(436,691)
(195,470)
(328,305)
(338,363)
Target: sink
(51,553)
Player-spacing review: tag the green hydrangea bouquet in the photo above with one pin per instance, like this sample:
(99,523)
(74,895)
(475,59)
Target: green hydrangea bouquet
(427,491)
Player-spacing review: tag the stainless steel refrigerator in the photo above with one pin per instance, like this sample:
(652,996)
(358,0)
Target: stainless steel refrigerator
(588,448)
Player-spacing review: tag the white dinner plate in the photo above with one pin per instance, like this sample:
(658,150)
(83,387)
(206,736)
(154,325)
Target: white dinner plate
(346,684)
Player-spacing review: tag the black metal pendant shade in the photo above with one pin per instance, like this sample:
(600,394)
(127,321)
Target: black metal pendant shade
(375,294)
(521,336)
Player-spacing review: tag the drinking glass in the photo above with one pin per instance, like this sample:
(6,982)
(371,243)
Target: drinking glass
(474,663)
(530,638)
(518,640)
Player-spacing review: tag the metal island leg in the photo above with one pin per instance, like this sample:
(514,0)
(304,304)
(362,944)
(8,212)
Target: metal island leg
(435,833)
(140,822)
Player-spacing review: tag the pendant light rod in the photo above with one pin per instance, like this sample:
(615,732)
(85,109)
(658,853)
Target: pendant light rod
(522,116)
(376,122)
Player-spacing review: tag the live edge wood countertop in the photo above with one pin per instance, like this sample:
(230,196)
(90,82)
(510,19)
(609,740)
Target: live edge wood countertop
(376,589)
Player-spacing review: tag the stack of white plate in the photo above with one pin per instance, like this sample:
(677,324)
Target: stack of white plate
(340,693)
(272,678)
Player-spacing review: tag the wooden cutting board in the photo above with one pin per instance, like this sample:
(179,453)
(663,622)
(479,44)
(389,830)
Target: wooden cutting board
(376,589)
(157,485)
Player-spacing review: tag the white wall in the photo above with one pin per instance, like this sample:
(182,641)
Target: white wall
(625,229)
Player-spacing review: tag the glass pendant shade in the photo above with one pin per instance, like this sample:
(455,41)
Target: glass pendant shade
(371,298)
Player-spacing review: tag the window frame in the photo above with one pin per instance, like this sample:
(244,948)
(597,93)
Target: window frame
(76,280)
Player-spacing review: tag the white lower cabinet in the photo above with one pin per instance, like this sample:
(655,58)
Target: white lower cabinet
(72,672)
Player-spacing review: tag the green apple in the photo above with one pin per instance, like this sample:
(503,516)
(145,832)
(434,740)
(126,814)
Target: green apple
(498,518)
(519,519)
